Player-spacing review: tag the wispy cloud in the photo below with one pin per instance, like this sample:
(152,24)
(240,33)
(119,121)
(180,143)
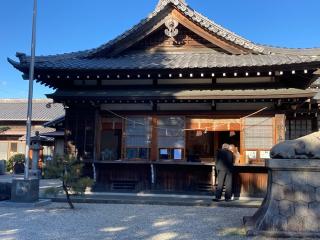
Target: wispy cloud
(3,83)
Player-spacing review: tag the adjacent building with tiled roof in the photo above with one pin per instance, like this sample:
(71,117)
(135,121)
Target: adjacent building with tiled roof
(13,116)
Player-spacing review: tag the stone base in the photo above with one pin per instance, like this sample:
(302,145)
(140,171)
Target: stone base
(35,173)
(25,190)
(5,191)
(292,205)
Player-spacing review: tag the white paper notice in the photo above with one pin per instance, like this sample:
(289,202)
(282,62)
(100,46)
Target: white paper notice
(177,154)
(164,151)
(264,154)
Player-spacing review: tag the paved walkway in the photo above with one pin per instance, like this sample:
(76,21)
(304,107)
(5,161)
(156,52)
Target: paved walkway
(122,222)
(44,183)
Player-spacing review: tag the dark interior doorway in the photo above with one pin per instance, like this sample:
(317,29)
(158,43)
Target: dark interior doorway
(202,146)
(229,137)
(111,144)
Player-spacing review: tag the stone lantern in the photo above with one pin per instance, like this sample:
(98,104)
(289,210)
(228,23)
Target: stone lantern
(36,147)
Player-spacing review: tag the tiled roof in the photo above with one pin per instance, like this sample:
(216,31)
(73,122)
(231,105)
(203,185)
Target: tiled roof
(99,59)
(163,60)
(185,94)
(16,110)
(293,51)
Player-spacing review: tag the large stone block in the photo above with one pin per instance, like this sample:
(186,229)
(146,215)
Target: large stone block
(278,191)
(315,208)
(281,178)
(314,179)
(311,224)
(296,224)
(5,191)
(305,193)
(318,194)
(292,204)
(25,190)
(286,208)
(301,209)
(300,178)
(289,193)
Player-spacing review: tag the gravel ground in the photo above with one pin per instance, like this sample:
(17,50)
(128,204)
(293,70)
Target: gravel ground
(107,221)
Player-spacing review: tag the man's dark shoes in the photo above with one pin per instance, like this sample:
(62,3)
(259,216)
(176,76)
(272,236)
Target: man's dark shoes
(216,200)
(228,200)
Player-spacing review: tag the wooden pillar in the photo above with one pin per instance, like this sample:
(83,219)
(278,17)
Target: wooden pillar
(154,139)
(97,141)
(97,135)
(242,142)
(70,127)
(280,128)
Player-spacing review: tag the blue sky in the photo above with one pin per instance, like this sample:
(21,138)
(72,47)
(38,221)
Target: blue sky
(72,25)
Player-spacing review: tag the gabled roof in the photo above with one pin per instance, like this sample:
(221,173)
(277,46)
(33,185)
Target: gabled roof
(109,56)
(16,110)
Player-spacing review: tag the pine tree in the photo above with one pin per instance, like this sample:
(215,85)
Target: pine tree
(69,171)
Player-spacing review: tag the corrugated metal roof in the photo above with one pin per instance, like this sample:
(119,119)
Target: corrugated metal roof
(16,110)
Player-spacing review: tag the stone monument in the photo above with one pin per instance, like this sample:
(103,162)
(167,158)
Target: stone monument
(291,207)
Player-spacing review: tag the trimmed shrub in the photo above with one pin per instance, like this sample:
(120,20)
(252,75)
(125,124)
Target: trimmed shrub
(15,159)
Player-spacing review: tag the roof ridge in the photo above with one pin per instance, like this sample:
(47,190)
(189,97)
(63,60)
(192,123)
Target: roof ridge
(193,15)
(311,51)
(210,25)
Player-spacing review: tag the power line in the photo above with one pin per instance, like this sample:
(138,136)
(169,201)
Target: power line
(186,129)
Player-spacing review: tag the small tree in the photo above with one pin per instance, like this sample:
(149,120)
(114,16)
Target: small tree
(69,171)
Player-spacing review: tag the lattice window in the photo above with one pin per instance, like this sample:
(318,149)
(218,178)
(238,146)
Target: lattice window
(258,133)
(171,137)
(138,137)
(296,128)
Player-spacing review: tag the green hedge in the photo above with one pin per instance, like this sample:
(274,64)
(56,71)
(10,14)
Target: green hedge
(17,158)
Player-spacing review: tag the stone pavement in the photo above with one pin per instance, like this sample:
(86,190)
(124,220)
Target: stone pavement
(122,222)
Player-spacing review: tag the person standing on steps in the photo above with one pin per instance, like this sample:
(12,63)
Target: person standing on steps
(224,166)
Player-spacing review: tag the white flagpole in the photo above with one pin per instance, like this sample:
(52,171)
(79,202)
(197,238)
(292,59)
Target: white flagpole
(30,94)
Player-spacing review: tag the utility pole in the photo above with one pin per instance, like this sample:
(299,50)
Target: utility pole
(30,94)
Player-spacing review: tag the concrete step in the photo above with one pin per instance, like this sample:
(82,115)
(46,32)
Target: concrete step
(163,199)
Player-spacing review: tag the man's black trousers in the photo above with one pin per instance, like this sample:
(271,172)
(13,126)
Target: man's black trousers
(224,178)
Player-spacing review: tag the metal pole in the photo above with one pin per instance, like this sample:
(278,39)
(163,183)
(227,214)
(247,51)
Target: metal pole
(30,95)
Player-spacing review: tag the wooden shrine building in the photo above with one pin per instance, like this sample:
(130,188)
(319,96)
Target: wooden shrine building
(149,109)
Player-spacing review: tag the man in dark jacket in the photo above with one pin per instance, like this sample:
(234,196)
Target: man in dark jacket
(224,167)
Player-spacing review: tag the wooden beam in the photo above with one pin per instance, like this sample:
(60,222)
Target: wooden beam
(138,36)
(206,35)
